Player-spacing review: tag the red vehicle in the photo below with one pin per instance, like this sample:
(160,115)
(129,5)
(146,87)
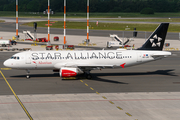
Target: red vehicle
(70,46)
(56,38)
(39,40)
(42,40)
(49,47)
(29,39)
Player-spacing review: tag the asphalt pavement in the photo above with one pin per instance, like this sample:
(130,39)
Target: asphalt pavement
(148,91)
(157,76)
(143,92)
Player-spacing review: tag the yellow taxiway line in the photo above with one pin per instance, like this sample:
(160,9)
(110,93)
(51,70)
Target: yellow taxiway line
(25,110)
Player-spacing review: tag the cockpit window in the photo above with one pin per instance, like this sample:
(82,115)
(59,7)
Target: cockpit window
(15,57)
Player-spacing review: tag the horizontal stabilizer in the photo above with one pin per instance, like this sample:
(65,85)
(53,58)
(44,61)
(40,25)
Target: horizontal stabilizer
(161,54)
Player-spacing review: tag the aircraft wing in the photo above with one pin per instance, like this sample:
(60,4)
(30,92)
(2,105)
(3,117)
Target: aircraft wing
(79,65)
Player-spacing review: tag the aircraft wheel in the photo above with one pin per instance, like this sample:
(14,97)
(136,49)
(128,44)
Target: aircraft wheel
(88,76)
(27,76)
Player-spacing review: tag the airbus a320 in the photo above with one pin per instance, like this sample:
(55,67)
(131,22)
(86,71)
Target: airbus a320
(72,63)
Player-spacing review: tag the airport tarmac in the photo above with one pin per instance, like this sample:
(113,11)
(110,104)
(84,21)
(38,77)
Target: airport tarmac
(148,91)
(144,92)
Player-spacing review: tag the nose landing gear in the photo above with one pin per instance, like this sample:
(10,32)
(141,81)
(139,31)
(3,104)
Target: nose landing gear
(27,74)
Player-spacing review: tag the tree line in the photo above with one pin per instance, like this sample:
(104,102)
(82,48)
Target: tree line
(95,5)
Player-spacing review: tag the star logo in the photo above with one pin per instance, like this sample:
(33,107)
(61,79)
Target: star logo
(156,41)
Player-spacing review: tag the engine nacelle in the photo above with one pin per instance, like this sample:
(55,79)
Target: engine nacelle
(69,72)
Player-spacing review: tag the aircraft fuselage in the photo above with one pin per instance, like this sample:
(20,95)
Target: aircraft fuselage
(94,58)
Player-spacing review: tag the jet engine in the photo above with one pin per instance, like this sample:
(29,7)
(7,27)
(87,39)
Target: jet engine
(69,72)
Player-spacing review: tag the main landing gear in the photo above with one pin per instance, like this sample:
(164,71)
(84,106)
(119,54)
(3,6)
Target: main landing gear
(27,74)
(88,74)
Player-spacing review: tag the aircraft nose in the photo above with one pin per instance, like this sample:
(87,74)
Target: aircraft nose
(6,63)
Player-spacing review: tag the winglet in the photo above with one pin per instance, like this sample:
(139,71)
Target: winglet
(122,65)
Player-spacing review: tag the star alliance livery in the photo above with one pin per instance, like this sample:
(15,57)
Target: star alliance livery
(72,63)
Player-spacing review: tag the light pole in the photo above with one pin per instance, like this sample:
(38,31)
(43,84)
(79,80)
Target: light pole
(87,41)
(64,22)
(17,36)
(48,24)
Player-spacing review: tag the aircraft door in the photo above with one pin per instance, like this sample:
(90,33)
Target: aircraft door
(28,59)
(139,57)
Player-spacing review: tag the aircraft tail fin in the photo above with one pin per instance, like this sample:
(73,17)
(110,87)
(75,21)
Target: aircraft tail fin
(156,39)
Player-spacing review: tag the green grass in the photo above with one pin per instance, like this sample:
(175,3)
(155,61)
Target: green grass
(130,15)
(2,21)
(83,15)
(145,20)
(103,26)
(106,26)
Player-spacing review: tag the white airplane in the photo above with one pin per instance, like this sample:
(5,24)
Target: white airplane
(72,63)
